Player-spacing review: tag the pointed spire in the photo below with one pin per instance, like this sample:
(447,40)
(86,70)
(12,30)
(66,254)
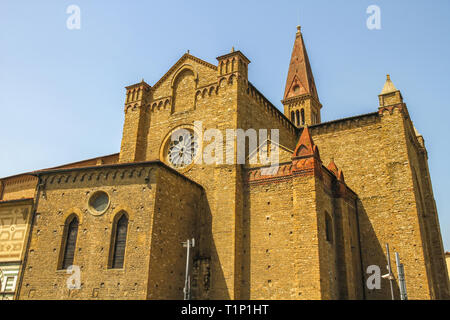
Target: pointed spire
(300,78)
(305,146)
(340,176)
(388,86)
(332,167)
(389,96)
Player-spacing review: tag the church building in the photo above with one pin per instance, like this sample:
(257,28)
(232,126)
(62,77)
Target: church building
(314,225)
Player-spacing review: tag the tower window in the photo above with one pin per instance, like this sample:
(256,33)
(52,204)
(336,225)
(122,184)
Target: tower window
(292,117)
(303,116)
(119,241)
(70,237)
(297,116)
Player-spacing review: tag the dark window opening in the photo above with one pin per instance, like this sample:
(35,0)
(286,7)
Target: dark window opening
(70,243)
(120,240)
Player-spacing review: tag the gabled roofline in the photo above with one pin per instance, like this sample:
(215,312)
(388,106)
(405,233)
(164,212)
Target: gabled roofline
(57,167)
(178,63)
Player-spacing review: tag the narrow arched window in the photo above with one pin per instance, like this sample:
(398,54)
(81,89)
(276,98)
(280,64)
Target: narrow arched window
(292,117)
(297,115)
(119,242)
(71,231)
(303,116)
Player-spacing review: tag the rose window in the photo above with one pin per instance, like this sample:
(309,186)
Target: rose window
(182,149)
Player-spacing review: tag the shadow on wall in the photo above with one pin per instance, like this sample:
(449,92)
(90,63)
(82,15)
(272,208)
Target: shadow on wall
(374,253)
(246,248)
(208,281)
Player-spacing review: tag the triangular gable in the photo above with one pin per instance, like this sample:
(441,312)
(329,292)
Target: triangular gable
(179,63)
(284,153)
(295,82)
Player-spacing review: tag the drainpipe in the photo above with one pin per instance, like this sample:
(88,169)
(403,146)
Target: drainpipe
(25,257)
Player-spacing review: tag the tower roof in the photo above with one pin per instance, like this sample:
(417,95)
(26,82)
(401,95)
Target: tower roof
(305,146)
(388,86)
(300,78)
(333,168)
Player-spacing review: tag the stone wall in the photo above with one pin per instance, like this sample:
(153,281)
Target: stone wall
(372,151)
(132,189)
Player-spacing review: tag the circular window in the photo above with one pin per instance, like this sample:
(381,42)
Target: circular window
(98,202)
(182,148)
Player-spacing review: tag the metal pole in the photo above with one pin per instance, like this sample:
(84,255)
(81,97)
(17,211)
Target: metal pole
(391,278)
(187,282)
(401,277)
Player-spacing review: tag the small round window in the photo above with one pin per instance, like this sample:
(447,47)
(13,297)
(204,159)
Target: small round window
(99,202)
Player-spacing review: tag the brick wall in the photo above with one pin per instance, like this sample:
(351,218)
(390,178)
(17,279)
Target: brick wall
(380,173)
(140,191)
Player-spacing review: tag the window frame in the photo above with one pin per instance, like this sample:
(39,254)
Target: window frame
(64,240)
(112,247)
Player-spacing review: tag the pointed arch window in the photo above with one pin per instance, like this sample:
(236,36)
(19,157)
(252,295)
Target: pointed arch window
(297,115)
(293,117)
(70,241)
(303,116)
(119,242)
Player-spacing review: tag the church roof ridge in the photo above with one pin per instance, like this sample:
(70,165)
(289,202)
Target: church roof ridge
(60,166)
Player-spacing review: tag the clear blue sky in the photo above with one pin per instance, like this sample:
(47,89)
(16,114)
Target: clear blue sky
(62,91)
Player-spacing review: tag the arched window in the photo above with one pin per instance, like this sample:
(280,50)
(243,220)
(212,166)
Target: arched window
(70,241)
(303,116)
(292,117)
(297,115)
(119,241)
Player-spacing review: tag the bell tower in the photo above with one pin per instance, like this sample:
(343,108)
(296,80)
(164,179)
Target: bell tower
(301,102)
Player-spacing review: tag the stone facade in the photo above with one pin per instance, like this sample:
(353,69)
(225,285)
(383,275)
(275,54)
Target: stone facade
(302,231)
(159,220)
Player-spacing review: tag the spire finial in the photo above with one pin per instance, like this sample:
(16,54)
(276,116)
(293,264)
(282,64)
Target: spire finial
(299,28)
(232,49)
(388,86)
